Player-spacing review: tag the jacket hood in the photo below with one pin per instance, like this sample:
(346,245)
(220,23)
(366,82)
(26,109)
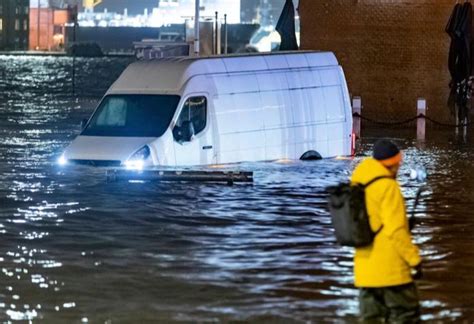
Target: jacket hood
(369,169)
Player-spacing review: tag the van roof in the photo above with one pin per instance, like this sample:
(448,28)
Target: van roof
(169,75)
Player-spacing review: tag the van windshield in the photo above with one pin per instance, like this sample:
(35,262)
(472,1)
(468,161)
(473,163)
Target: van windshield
(132,116)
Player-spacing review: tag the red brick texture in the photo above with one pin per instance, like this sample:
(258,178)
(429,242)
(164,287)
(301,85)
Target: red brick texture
(392,51)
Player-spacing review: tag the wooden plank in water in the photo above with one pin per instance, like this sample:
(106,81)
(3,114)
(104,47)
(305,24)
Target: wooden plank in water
(228,177)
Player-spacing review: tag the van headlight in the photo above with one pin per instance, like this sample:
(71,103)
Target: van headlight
(62,160)
(137,160)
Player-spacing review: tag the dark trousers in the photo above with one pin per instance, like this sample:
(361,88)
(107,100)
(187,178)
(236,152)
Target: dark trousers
(397,304)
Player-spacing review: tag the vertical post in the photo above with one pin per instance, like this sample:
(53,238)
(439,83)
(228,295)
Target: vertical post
(464,129)
(38,26)
(456,116)
(225,35)
(48,32)
(421,121)
(356,120)
(216,35)
(196,28)
(74,48)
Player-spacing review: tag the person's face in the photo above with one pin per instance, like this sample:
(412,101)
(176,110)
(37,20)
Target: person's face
(394,169)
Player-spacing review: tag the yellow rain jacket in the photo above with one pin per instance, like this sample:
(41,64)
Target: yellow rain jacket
(387,261)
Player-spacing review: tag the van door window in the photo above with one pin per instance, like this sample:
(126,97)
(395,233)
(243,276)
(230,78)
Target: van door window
(192,119)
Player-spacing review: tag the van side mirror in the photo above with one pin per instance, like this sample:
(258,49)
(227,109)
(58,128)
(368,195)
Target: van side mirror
(187,131)
(83,124)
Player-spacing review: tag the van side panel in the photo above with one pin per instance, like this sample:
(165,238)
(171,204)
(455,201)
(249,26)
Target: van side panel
(320,113)
(348,113)
(239,119)
(313,135)
(279,112)
(278,115)
(335,119)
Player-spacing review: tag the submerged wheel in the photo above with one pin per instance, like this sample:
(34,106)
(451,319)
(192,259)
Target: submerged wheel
(311,156)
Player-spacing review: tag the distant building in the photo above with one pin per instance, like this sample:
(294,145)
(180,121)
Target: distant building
(14,24)
(47,29)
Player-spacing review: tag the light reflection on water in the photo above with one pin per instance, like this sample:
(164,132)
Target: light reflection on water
(76,248)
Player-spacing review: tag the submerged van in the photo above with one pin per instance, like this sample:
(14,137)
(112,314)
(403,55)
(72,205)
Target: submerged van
(222,109)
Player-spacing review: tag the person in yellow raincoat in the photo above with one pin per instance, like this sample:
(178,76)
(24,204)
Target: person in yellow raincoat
(383,270)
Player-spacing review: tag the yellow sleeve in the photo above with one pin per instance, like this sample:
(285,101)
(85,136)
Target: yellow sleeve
(395,224)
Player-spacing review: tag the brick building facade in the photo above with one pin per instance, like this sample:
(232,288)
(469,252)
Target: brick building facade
(47,29)
(392,51)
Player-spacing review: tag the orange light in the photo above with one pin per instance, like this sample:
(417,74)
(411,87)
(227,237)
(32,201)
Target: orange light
(284,161)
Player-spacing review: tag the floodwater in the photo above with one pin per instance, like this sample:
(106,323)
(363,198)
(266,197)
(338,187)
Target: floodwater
(74,248)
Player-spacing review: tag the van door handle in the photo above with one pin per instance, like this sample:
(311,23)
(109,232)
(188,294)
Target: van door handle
(207,147)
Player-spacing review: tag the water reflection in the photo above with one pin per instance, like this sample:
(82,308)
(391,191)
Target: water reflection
(74,247)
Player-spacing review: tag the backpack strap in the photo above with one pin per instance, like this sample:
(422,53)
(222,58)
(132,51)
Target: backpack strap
(368,184)
(375,180)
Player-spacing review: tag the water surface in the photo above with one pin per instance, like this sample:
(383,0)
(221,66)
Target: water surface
(76,248)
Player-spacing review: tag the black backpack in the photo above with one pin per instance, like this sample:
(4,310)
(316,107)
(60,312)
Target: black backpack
(349,213)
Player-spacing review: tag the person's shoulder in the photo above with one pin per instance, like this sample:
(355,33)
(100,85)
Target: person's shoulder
(369,169)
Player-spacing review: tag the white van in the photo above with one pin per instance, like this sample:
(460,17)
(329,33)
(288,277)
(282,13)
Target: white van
(222,109)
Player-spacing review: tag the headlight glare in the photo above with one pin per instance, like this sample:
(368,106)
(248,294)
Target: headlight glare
(137,160)
(134,165)
(62,160)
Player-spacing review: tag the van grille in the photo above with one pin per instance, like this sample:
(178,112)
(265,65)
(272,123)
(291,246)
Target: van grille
(96,162)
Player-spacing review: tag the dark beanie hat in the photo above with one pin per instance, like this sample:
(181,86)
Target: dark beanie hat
(385,149)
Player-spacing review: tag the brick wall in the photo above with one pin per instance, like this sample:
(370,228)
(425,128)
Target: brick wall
(392,51)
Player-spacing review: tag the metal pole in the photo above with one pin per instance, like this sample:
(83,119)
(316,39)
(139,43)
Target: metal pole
(456,115)
(38,26)
(225,35)
(464,128)
(196,29)
(216,35)
(74,47)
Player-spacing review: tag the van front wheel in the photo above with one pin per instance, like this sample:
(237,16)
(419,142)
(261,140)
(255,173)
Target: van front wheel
(311,156)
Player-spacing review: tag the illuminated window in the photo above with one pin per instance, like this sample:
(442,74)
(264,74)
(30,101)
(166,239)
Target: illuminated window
(194,114)
(1,24)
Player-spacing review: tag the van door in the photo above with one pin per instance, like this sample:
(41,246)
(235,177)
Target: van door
(193,132)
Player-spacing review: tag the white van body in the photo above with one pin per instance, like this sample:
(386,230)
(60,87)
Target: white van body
(253,107)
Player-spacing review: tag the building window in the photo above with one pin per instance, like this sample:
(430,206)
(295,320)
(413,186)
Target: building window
(25,24)
(1,25)
(17,24)
(26,10)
